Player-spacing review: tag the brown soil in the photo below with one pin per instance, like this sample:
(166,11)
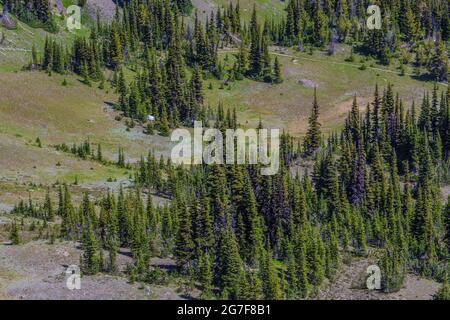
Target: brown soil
(349,285)
(36,270)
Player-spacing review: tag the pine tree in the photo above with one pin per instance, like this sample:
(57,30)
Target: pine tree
(197,86)
(14,235)
(277,77)
(85,74)
(241,64)
(313,136)
(439,65)
(90,259)
(67,213)
(164,129)
(184,245)
(320,22)
(99,153)
(255,64)
(230,265)
(48,208)
(206,275)
(444,291)
(121,158)
(269,278)
(447,223)
(266,61)
(115,48)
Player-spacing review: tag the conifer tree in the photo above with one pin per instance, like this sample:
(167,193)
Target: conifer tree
(277,77)
(48,208)
(444,291)
(269,278)
(313,136)
(164,129)
(14,235)
(185,245)
(99,153)
(90,259)
(206,275)
(115,48)
(439,63)
(230,265)
(255,63)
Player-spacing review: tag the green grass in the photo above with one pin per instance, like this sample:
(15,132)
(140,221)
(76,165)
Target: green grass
(15,53)
(36,105)
(32,104)
(287,105)
(67,3)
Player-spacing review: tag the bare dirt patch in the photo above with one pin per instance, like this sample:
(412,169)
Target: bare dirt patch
(36,270)
(105,8)
(349,285)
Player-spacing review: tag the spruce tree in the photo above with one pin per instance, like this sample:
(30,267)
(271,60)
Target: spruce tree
(444,291)
(313,136)
(90,259)
(14,235)
(184,249)
(255,63)
(48,207)
(229,265)
(277,77)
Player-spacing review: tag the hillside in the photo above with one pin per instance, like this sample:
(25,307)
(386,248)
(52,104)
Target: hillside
(87,175)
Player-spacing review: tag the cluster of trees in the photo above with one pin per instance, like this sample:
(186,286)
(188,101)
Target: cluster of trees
(237,234)
(35,12)
(321,23)
(30,209)
(86,150)
(259,65)
(159,24)
(233,232)
(388,168)
(83,150)
(422,25)
(152,38)
(373,185)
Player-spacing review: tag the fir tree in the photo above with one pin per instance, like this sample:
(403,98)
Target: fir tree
(14,235)
(313,136)
(444,291)
(90,259)
(277,77)
(48,207)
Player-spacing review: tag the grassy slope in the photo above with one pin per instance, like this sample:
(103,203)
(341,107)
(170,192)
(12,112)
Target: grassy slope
(57,114)
(33,104)
(288,105)
(15,51)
